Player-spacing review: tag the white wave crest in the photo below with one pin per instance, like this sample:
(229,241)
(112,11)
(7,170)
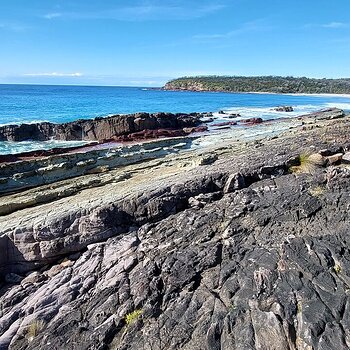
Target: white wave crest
(341,105)
(266,112)
(10,147)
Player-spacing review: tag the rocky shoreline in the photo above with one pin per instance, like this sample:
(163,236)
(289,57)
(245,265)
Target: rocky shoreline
(240,245)
(114,127)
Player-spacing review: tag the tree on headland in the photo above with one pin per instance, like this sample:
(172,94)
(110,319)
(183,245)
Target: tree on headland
(273,84)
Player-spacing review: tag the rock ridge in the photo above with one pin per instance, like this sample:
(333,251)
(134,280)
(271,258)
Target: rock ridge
(98,129)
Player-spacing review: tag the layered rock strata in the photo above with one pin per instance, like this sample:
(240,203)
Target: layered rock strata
(98,129)
(45,170)
(244,248)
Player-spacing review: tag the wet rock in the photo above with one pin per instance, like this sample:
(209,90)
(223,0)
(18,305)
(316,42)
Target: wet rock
(225,124)
(201,128)
(252,121)
(284,109)
(99,128)
(234,115)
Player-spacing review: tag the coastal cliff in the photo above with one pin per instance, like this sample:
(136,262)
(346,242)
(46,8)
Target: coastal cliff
(241,245)
(272,84)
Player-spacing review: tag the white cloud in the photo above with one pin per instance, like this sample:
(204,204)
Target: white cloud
(14,27)
(52,15)
(245,28)
(145,12)
(331,25)
(54,74)
(335,25)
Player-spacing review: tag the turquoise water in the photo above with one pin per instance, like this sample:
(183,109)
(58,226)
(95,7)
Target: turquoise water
(34,103)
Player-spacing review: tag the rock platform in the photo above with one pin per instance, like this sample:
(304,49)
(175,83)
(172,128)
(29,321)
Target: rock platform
(241,245)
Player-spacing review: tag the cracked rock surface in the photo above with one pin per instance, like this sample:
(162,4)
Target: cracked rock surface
(249,252)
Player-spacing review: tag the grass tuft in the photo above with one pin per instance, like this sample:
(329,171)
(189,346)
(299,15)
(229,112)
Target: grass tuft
(34,329)
(132,317)
(306,165)
(337,269)
(317,191)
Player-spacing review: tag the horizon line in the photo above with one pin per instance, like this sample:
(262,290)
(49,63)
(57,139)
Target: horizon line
(86,85)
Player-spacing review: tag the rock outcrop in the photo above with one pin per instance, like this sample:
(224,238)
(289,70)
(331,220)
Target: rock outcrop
(284,109)
(252,120)
(29,173)
(247,248)
(98,129)
(328,113)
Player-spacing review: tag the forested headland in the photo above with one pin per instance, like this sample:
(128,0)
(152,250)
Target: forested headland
(272,84)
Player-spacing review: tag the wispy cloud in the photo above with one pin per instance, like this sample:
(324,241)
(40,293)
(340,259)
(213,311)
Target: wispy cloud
(13,27)
(245,28)
(335,25)
(53,74)
(145,12)
(330,25)
(52,15)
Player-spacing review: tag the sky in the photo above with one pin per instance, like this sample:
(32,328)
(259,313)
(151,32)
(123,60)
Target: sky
(148,42)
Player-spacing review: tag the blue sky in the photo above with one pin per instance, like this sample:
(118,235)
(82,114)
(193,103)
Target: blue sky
(147,42)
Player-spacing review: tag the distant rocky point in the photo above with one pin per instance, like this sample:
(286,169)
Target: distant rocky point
(272,84)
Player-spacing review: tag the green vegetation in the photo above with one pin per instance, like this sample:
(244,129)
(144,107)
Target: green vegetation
(133,317)
(304,166)
(34,329)
(273,84)
(232,307)
(337,269)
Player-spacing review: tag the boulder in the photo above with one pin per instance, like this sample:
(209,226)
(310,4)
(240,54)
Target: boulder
(332,149)
(335,158)
(316,159)
(346,158)
(234,182)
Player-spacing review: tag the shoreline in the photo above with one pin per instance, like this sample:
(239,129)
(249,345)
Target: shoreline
(100,131)
(262,93)
(218,227)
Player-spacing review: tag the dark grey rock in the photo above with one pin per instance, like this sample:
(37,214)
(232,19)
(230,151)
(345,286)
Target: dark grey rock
(98,129)
(262,262)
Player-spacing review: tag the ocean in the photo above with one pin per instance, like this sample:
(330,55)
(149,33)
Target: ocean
(59,104)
